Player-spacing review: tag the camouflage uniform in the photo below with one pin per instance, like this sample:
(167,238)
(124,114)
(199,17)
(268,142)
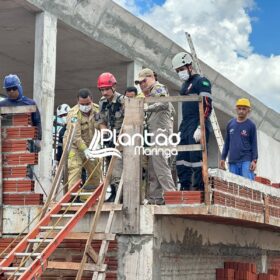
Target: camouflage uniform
(111,114)
(159,119)
(84,132)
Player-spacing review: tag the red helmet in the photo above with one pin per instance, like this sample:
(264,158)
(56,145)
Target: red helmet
(106,80)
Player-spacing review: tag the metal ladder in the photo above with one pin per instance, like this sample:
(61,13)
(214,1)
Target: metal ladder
(213,118)
(48,232)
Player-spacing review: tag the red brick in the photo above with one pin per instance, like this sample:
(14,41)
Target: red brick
(18,186)
(19,132)
(22,159)
(15,172)
(263,180)
(14,146)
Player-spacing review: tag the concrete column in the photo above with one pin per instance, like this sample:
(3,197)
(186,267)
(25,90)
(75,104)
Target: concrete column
(133,68)
(139,257)
(43,89)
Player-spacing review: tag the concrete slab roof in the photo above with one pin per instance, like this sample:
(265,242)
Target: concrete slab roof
(95,36)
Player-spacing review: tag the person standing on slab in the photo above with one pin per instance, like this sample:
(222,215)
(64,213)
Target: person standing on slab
(84,115)
(159,119)
(189,164)
(241,142)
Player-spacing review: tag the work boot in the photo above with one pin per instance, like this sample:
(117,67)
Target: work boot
(112,196)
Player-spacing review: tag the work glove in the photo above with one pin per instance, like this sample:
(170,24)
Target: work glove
(87,153)
(37,144)
(197,134)
(146,107)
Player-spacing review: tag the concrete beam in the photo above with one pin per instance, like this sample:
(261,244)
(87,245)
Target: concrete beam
(135,39)
(43,89)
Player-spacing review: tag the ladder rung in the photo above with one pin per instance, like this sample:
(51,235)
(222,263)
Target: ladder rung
(64,216)
(13,273)
(13,268)
(72,204)
(27,254)
(39,240)
(81,193)
(51,228)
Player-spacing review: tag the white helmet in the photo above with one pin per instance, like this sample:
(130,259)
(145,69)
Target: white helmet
(181,59)
(62,109)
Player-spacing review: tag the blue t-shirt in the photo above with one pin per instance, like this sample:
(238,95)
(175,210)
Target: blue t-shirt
(241,141)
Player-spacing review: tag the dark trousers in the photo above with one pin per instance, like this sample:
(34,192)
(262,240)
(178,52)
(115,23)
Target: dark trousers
(189,164)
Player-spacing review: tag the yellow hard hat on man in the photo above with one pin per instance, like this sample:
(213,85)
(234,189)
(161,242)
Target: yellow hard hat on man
(243,102)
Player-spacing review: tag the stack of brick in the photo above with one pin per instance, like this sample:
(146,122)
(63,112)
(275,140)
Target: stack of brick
(18,156)
(72,251)
(244,198)
(184,197)
(245,271)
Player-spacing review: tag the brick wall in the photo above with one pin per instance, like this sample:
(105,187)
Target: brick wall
(244,198)
(18,156)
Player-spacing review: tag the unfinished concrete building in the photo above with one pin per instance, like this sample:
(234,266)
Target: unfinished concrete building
(60,46)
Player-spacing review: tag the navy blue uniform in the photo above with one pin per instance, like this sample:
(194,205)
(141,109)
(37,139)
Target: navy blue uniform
(189,163)
(24,101)
(241,142)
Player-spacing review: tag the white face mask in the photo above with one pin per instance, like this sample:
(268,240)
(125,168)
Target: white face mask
(85,108)
(184,75)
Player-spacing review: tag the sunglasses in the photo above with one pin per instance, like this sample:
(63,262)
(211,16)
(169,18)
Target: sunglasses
(12,88)
(140,82)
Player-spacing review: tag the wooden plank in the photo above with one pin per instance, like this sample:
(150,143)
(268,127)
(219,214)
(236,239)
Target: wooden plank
(75,266)
(105,243)
(132,172)
(18,109)
(85,235)
(207,187)
(96,216)
(107,207)
(92,254)
(172,99)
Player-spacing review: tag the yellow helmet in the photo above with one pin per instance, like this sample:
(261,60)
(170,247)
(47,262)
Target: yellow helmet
(243,102)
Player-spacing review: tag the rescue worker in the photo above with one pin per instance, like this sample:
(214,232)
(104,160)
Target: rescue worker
(111,115)
(131,92)
(84,114)
(190,163)
(159,119)
(241,142)
(15,97)
(59,129)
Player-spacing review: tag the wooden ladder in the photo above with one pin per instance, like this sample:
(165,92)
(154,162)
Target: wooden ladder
(50,233)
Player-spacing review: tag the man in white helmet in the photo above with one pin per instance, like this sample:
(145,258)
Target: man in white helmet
(60,128)
(189,163)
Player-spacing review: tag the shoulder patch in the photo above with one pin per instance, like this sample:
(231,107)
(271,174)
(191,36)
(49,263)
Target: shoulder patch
(74,119)
(160,90)
(205,83)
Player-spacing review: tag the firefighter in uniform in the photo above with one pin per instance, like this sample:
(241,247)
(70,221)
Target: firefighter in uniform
(84,114)
(159,119)
(111,115)
(190,163)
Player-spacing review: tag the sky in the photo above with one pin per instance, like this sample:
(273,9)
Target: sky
(238,38)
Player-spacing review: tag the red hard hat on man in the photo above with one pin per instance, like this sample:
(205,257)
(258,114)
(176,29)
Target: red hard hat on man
(106,80)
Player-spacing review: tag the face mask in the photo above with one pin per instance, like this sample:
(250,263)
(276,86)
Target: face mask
(184,75)
(85,108)
(63,120)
